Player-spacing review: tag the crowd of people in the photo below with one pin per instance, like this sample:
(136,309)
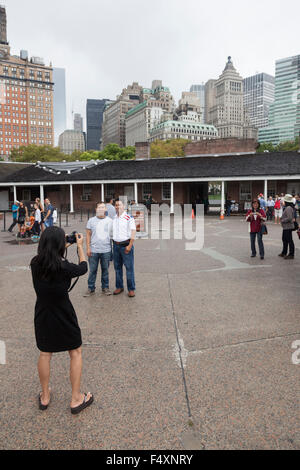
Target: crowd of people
(32,220)
(284,208)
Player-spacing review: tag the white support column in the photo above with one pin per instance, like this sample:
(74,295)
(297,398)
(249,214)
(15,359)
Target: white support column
(71,199)
(136,193)
(42,194)
(15,193)
(172,198)
(266,190)
(222,199)
(102,192)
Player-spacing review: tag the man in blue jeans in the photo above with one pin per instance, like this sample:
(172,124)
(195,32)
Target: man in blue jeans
(48,220)
(124,230)
(98,243)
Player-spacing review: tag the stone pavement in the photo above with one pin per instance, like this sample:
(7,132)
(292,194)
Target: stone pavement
(201,358)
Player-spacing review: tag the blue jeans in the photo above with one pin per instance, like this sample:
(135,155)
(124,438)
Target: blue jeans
(48,222)
(120,258)
(104,259)
(260,243)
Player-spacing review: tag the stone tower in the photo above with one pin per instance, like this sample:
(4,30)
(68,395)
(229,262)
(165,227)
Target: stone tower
(227,112)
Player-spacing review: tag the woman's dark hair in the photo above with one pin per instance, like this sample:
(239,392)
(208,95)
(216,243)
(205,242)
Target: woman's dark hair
(287,204)
(51,250)
(258,202)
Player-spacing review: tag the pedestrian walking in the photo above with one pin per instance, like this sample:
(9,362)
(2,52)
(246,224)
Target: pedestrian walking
(14,209)
(288,226)
(270,208)
(49,209)
(256,216)
(111,211)
(55,320)
(124,230)
(278,208)
(99,250)
(228,204)
(22,215)
(36,229)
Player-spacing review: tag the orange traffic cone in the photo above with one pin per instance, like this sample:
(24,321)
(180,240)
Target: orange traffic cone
(193,214)
(221,216)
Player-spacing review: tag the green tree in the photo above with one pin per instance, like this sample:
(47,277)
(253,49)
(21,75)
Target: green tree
(168,148)
(34,153)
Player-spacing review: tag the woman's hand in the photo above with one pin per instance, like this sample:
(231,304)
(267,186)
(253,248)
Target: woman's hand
(79,240)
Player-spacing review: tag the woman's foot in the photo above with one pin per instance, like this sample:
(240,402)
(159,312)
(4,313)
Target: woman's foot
(44,399)
(86,400)
(76,401)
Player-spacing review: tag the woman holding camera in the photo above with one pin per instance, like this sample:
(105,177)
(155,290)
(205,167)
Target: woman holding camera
(255,216)
(55,321)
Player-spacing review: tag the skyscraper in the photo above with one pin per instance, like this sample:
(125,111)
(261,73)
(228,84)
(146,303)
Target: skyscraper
(284,115)
(227,112)
(59,102)
(26,97)
(200,90)
(258,96)
(94,120)
(78,122)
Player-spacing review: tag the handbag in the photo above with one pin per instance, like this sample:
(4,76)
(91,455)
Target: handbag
(296,226)
(264,230)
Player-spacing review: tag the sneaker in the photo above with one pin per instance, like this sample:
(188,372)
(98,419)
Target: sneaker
(106,291)
(89,293)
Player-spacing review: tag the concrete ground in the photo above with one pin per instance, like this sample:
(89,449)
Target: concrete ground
(201,358)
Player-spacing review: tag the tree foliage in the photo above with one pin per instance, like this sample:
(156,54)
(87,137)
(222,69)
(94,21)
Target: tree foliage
(168,148)
(36,153)
(287,146)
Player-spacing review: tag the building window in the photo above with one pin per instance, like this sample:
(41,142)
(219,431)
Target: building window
(245,191)
(86,192)
(166,191)
(147,189)
(109,190)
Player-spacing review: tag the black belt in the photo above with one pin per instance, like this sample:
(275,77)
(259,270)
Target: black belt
(124,243)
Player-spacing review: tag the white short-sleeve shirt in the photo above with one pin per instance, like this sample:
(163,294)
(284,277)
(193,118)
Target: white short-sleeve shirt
(122,227)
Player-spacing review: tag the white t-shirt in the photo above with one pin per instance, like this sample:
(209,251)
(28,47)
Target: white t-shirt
(122,227)
(101,233)
(37,216)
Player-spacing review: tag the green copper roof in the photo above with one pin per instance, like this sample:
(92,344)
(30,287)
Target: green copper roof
(136,108)
(185,125)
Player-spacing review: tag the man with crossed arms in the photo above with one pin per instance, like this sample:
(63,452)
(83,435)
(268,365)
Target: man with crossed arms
(124,230)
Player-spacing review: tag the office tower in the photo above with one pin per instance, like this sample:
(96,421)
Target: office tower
(94,120)
(258,96)
(227,113)
(59,102)
(210,96)
(26,97)
(78,122)
(284,114)
(200,90)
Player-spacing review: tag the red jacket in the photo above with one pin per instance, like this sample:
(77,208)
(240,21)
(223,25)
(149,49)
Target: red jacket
(255,225)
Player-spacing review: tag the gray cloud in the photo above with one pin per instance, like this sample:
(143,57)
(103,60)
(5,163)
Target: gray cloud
(105,45)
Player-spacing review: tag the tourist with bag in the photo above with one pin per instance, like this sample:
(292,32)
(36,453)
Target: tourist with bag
(288,226)
(255,217)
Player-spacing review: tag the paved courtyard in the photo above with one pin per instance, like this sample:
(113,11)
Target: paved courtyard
(201,358)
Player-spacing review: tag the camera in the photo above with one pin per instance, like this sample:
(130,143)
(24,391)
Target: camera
(71,238)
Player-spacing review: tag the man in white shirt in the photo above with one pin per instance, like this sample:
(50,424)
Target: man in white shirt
(98,244)
(124,231)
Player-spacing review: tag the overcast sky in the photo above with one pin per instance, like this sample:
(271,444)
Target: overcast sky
(104,45)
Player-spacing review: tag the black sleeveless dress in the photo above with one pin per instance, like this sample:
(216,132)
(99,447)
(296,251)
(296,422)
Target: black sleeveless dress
(55,321)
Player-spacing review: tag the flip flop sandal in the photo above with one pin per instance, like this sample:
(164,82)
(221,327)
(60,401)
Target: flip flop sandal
(83,405)
(41,406)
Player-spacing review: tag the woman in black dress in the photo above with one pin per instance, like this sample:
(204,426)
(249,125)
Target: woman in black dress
(55,321)
(22,215)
